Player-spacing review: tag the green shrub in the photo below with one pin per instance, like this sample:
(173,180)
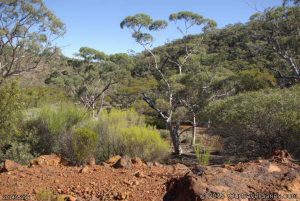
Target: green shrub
(39,96)
(144,142)
(52,122)
(124,132)
(84,143)
(47,195)
(257,123)
(11,105)
(18,152)
(202,155)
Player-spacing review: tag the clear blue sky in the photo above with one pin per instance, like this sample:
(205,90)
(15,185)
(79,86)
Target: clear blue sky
(95,23)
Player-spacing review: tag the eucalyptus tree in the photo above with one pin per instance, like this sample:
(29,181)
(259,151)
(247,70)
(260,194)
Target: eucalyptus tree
(184,21)
(141,25)
(27,31)
(276,31)
(167,103)
(89,78)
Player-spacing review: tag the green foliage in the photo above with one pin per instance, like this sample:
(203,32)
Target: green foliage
(51,122)
(257,123)
(141,24)
(202,155)
(39,96)
(11,105)
(84,144)
(190,19)
(47,195)
(27,31)
(124,132)
(19,152)
(90,54)
(144,142)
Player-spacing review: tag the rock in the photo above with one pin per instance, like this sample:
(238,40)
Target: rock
(274,168)
(124,162)
(198,170)
(282,156)
(84,169)
(181,167)
(105,164)
(149,164)
(137,161)
(157,164)
(139,174)
(91,161)
(10,166)
(262,177)
(112,160)
(122,195)
(69,198)
(48,160)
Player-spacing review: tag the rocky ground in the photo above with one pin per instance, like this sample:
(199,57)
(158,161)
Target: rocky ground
(49,177)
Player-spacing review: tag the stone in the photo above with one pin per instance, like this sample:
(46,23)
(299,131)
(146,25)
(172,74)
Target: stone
(137,161)
(84,169)
(91,161)
(139,174)
(122,195)
(48,160)
(124,162)
(70,198)
(112,160)
(105,164)
(274,168)
(157,164)
(149,164)
(10,165)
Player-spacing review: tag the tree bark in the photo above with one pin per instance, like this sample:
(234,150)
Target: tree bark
(194,130)
(174,131)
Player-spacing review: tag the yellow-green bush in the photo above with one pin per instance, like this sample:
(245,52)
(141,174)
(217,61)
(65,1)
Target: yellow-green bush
(51,123)
(124,132)
(144,142)
(84,142)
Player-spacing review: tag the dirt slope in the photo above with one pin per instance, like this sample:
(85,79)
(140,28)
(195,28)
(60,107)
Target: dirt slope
(147,182)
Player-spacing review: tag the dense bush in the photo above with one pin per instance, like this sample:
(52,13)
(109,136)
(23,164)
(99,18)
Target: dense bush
(11,105)
(144,142)
(51,123)
(84,142)
(257,123)
(125,133)
(13,144)
(40,96)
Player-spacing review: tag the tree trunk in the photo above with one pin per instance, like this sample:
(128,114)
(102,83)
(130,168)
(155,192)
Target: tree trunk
(174,131)
(194,130)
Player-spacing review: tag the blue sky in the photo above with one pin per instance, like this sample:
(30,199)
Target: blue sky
(96,23)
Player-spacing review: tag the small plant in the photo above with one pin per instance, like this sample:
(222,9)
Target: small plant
(84,144)
(47,195)
(202,155)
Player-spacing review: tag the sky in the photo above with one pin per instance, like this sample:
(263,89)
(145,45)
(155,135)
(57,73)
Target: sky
(96,23)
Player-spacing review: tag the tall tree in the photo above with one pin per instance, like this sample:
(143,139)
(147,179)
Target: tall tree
(89,78)
(27,31)
(277,31)
(167,104)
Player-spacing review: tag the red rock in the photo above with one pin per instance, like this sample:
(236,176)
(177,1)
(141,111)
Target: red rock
(85,169)
(91,161)
(124,162)
(48,160)
(10,166)
(137,161)
(112,160)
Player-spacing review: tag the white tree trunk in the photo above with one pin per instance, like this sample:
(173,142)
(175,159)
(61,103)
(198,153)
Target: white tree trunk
(194,130)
